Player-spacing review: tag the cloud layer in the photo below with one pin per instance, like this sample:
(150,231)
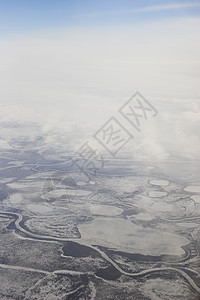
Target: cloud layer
(70,81)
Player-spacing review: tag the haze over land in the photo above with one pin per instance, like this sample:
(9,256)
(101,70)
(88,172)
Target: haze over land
(130,228)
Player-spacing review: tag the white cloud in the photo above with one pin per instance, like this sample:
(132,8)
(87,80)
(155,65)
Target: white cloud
(152,8)
(70,83)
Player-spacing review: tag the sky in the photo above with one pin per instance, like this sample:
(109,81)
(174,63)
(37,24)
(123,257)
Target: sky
(70,65)
(23,16)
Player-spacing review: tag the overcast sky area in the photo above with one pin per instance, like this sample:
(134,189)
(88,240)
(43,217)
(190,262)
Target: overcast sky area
(70,65)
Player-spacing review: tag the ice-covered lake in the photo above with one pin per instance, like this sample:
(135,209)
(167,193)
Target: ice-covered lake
(123,235)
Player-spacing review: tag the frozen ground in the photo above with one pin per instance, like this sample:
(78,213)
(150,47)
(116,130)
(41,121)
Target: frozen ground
(131,232)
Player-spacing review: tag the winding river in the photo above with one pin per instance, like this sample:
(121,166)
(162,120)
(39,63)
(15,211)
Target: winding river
(184,272)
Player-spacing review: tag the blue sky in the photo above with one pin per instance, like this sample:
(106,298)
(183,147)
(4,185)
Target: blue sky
(23,16)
